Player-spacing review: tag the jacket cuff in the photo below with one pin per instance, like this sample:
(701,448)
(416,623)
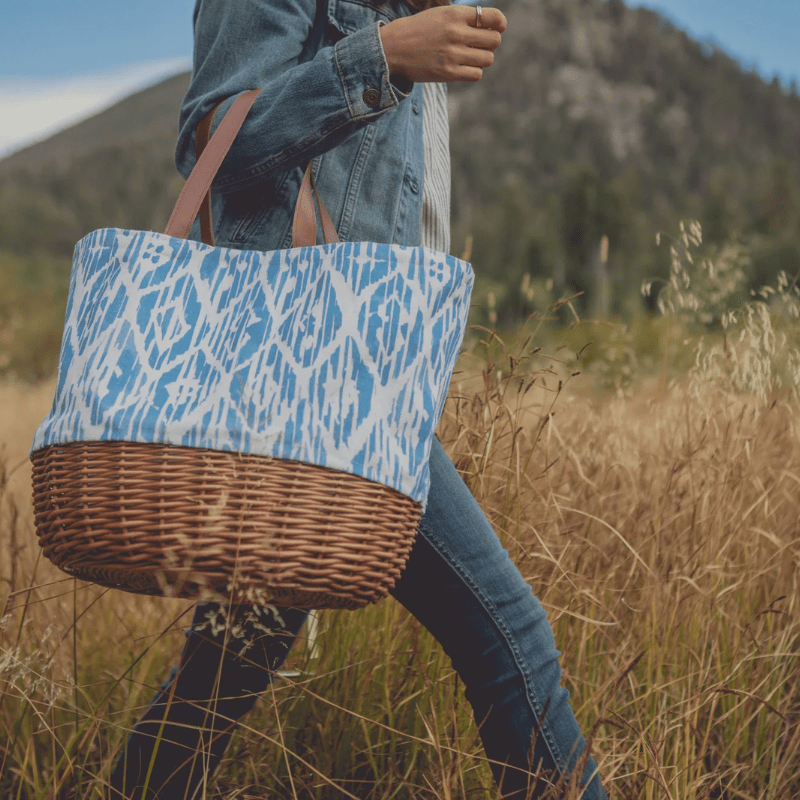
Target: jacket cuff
(364,73)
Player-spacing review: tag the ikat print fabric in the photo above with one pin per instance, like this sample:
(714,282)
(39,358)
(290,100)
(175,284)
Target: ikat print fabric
(338,355)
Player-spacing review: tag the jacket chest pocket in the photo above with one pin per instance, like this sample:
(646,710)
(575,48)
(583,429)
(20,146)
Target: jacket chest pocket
(348,16)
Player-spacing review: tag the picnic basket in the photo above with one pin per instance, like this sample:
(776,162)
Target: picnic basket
(240,424)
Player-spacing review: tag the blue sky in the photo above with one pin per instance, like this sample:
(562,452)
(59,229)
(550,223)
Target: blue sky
(762,34)
(62,60)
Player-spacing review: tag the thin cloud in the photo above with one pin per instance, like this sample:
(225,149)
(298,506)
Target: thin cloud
(33,109)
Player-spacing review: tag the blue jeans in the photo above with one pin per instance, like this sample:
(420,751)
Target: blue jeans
(461,584)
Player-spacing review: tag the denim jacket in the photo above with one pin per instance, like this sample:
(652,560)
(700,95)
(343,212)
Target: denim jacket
(327,96)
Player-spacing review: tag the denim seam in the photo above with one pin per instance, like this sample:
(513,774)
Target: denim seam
(354,183)
(507,637)
(340,70)
(287,159)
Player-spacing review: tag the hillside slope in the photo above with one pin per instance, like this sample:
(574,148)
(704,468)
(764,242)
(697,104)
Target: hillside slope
(114,169)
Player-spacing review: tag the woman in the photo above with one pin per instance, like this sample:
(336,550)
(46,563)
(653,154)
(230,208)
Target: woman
(358,87)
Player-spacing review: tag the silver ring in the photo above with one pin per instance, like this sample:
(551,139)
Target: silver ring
(478,17)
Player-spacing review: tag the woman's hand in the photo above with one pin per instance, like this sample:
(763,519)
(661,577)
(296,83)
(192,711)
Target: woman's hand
(443,44)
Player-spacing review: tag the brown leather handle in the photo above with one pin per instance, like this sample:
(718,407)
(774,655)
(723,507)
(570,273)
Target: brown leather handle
(329,232)
(196,194)
(199,182)
(304,224)
(200,142)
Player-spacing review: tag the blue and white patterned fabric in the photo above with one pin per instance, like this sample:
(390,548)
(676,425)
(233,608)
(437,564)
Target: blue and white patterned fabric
(338,355)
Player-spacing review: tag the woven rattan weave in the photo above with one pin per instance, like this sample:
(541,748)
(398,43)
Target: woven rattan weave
(181,522)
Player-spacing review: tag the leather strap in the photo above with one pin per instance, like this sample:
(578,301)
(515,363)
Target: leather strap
(196,194)
(199,182)
(200,142)
(304,224)
(329,231)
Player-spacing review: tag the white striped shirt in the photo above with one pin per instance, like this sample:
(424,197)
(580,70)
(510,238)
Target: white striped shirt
(436,183)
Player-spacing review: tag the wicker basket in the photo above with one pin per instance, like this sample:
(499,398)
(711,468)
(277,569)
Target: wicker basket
(182,522)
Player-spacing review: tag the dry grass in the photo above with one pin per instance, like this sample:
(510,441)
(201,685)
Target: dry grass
(659,529)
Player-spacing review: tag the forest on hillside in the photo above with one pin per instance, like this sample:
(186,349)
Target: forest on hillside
(622,126)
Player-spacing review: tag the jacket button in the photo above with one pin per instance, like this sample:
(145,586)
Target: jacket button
(372,97)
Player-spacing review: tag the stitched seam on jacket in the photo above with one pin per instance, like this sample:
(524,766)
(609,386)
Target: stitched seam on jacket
(354,184)
(340,70)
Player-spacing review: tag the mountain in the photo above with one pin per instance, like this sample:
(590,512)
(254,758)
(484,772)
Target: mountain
(597,120)
(114,169)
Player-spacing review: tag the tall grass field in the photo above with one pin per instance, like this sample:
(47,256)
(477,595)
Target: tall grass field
(651,498)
